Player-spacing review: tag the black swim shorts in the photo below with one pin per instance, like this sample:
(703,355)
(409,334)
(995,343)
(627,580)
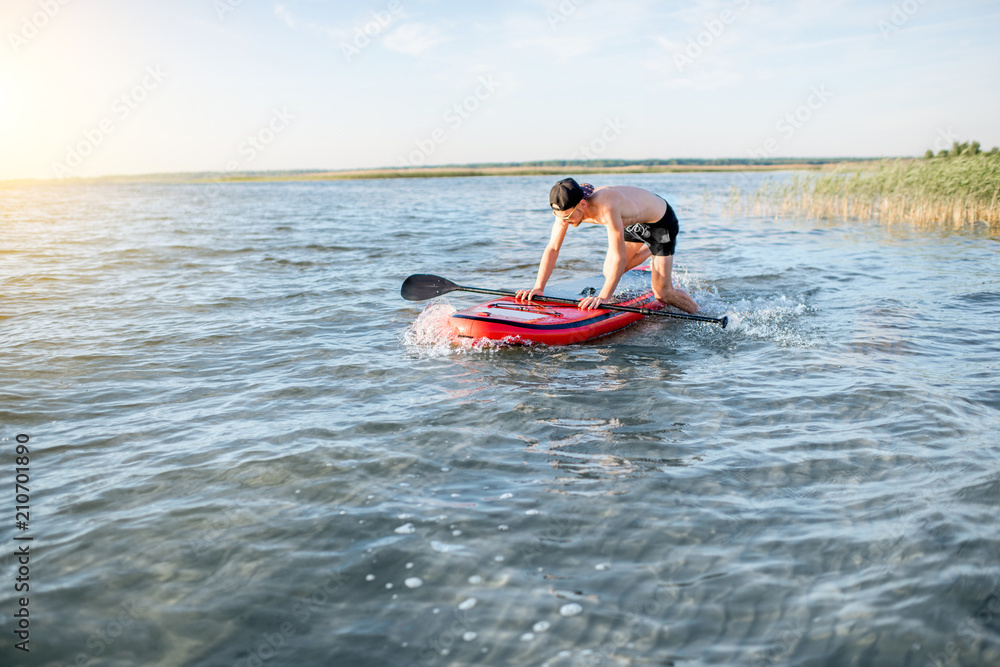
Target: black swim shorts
(660,236)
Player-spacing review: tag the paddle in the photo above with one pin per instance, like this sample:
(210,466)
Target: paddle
(422,286)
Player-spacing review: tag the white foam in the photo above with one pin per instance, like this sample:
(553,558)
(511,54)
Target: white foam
(571,609)
(414,582)
(468,604)
(431,331)
(445,548)
(431,334)
(771,318)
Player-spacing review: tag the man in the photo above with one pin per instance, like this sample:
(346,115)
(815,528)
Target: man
(639,223)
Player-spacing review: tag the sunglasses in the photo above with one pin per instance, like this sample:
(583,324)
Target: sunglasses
(565,218)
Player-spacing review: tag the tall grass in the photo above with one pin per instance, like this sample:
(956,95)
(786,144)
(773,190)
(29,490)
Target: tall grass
(953,190)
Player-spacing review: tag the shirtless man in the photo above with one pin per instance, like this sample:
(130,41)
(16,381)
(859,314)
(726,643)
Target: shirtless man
(640,224)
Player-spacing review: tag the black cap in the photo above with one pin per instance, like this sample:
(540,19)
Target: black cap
(565,194)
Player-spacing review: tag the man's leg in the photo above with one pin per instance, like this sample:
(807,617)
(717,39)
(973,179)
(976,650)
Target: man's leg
(663,286)
(635,254)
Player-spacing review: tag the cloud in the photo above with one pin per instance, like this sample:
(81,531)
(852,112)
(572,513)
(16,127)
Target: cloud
(413,39)
(567,30)
(283,13)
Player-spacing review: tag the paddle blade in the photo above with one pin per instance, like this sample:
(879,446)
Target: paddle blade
(422,286)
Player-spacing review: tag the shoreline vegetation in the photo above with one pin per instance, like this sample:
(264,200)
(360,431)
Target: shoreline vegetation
(956,187)
(536,168)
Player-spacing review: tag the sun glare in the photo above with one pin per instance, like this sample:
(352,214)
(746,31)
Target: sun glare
(10,101)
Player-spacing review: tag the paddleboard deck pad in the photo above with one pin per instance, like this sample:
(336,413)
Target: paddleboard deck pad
(506,319)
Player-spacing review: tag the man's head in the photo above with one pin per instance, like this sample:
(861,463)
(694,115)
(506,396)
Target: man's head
(566,196)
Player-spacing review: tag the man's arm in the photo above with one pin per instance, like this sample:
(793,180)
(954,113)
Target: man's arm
(548,260)
(614,263)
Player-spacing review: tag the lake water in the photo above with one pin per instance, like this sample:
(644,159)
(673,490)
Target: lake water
(246,449)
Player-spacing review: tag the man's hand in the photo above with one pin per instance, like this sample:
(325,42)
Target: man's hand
(527,294)
(591,302)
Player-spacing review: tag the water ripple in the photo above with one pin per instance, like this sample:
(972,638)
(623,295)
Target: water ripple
(249,448)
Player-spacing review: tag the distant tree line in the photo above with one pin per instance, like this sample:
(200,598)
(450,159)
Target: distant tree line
(960,150)
(604,164)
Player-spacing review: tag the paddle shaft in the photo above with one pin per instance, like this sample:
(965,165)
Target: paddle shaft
(609,306)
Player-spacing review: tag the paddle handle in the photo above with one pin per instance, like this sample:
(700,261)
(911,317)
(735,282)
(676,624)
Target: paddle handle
(608,306)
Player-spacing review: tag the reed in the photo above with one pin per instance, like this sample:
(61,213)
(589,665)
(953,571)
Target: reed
(952,188)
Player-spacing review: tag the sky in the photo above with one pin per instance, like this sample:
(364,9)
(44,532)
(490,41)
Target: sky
(103,87)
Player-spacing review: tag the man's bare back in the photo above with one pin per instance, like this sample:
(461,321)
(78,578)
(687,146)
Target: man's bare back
(634,205)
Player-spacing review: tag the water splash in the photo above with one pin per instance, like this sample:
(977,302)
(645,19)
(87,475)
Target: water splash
(433,336)
(431,329)
(772,318)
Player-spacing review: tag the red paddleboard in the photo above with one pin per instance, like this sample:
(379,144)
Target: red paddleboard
(506,319)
